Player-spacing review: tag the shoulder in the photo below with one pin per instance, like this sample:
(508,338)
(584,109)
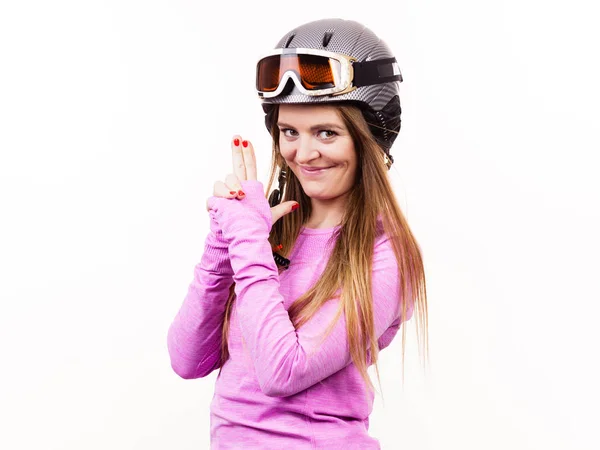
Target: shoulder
(383,246)
(385,262)
(386,281)
(387,276)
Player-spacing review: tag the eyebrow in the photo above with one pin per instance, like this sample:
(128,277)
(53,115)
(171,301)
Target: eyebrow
(321,126)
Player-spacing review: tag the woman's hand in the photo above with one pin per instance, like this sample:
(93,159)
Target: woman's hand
(244,168)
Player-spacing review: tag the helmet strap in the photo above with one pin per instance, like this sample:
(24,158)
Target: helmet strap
(376,71)
(274,200)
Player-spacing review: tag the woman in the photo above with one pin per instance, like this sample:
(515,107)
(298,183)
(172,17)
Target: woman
(293,343)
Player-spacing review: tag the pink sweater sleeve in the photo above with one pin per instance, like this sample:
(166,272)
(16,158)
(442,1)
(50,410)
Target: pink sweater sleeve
(287,360)
(194,337)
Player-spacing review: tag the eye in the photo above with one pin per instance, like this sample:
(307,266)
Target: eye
(288,132)
(327,134)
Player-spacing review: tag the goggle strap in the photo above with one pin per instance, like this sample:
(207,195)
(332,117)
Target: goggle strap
(376,71)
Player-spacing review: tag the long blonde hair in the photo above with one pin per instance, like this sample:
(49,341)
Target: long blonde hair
(350,264)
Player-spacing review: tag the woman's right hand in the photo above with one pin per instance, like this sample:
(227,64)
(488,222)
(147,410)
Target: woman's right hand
(231,187)
(244,166)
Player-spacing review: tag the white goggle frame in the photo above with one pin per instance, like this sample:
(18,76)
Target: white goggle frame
(342,80)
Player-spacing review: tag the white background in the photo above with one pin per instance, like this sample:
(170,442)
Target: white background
(115,120)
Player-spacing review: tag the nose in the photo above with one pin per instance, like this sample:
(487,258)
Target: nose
(306,151)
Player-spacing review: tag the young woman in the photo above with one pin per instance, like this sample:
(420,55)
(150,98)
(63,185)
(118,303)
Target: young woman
(294,297)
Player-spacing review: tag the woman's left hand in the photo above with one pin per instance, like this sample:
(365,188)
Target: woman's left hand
(244,169)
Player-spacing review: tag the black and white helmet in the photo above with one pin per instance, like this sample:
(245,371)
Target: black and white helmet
(377,93)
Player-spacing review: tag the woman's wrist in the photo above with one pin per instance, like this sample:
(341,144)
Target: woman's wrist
(240,218)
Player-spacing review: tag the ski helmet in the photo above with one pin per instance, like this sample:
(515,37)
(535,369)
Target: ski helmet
(371,81)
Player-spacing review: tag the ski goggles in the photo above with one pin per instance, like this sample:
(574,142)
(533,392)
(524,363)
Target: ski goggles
(320,72)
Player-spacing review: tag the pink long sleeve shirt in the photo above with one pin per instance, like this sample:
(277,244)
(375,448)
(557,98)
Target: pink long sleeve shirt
(281,388)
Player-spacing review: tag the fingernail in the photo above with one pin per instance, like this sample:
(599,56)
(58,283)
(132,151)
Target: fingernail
(295,207)
(236,142)
(244,143)
(241,193)
(232,192)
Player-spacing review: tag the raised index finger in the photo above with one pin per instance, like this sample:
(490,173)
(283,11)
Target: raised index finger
(239,167)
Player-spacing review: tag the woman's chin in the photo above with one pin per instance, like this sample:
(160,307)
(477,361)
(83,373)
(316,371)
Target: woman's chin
(318,190)
(314,194)
(321,195)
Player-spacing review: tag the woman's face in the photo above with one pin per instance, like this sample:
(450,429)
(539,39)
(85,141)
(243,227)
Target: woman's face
(318,148)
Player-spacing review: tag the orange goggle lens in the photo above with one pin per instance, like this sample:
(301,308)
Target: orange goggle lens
(315,72)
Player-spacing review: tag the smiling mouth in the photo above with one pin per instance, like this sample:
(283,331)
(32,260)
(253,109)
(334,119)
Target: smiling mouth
(314,170)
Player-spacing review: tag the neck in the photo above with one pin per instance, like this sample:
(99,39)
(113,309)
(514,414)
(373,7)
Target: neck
(326,213)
